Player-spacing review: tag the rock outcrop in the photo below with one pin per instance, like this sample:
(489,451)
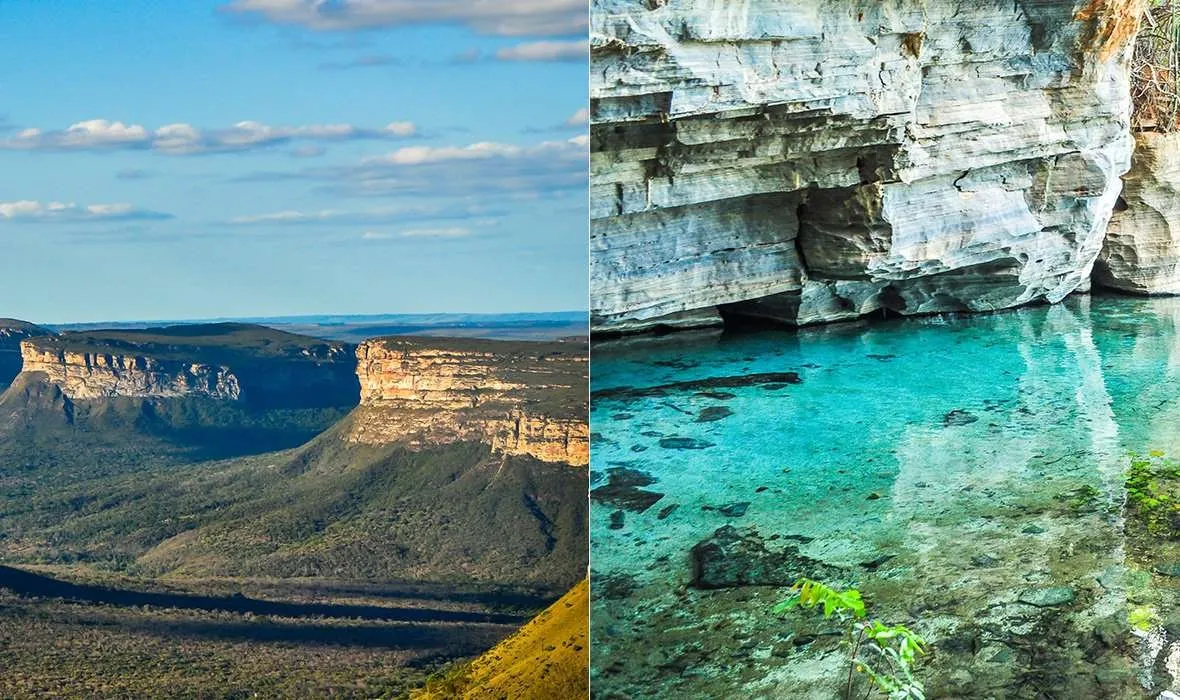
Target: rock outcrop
(252,365)
(88,375)
(819,161)
(1141,254)
(12,332)
(519,397)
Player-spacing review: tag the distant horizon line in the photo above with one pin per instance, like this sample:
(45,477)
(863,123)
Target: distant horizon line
(327,316)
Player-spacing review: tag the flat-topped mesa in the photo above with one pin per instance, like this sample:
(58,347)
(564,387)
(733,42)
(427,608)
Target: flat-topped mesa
(522,398)
(815,161)
(12,332)
(243,363)
(86,375)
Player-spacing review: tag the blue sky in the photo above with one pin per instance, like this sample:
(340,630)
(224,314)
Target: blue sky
(274,157)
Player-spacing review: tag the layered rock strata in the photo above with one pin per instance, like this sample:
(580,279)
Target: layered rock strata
(522,398)
(1141,253)
(819,161)
(251,365)
(85,375)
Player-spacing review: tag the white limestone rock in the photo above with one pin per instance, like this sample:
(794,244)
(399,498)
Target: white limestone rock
(1141,253)
(818,161)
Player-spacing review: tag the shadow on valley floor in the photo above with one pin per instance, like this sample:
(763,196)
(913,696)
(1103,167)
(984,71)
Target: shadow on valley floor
(436,641)
(25,583)
(499,598)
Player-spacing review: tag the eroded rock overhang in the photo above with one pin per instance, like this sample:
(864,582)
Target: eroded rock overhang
(820,161)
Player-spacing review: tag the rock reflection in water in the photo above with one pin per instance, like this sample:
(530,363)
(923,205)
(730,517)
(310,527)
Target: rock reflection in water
(972,486)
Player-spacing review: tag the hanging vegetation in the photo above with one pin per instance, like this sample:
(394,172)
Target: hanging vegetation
(1155,86)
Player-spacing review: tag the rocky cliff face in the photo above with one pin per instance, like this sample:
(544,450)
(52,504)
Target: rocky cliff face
(87,375)
(818,161)
(12,332)
(251,365)
(519,397)
(1141,253)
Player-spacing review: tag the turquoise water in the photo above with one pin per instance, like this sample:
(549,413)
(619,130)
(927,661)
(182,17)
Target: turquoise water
(965,473)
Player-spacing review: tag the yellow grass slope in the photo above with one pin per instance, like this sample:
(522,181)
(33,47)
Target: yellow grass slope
(547,659)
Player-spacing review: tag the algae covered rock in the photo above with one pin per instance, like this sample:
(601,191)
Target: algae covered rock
(731,557)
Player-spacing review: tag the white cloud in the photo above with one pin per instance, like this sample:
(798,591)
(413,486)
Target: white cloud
(442,232)
(579,118)
(186,139)
(498,17)
(31,210)
(365,216)
(576,50)
(421,155)
(447,232)
(478,169)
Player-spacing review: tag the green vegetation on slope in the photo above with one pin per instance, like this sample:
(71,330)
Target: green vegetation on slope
(293,388)
(46,438)
(329,509)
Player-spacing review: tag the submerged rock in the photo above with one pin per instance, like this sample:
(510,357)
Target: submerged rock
(1048,597)
(715,395)
(1170,569)
(713,413)
(958,417)
(612,586)
(684,443)
(730,510)
(731,557)
(701,387)
(623,489)
(666,511)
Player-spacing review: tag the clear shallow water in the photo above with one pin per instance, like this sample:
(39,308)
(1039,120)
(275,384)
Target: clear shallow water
(948,467)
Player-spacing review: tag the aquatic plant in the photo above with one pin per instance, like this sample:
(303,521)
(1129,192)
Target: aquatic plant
(1153,492)
(1081,499)
(894,648)
(1143,618)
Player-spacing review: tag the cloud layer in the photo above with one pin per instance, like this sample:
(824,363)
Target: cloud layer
(185,139)
(496,17)
(386,215)
(572,51)
(434,233)
(478,168)
(34,211)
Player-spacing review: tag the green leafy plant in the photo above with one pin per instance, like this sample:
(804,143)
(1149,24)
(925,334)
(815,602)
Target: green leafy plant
(1143,617)
(885,654)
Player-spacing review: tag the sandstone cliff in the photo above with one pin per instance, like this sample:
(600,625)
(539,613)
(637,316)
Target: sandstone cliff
(89,375)
(519,397)
(255,366)
(12,332)
(818,161)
